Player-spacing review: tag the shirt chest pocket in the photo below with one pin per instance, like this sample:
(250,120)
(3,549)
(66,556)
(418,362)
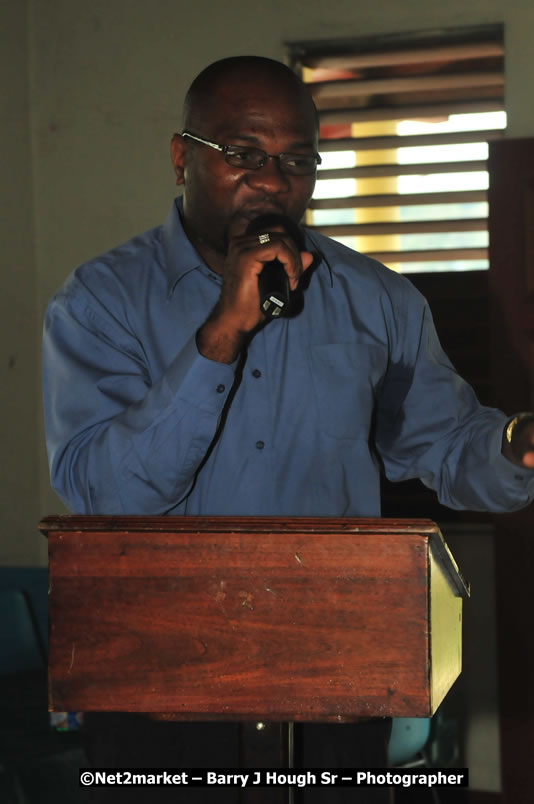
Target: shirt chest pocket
(345,378)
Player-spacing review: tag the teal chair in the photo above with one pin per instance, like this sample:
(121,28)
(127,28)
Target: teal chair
(409,735)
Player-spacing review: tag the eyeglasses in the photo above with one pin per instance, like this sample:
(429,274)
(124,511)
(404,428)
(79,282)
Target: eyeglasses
(253,158)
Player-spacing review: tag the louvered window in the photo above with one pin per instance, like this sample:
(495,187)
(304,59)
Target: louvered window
(404,127)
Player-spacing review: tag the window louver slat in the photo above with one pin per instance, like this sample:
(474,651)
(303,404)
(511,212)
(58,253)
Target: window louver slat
(377,171)
(382,58)
(404,227)
(408,111)
(438,255)
(383,86)
(461,197)
(383,143)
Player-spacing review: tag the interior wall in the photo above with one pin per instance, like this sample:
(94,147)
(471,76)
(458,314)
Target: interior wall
(19,399)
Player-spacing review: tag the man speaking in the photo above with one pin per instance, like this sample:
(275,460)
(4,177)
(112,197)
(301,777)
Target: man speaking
(225,365)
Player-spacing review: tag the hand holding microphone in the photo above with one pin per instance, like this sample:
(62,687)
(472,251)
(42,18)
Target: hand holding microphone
(261,281)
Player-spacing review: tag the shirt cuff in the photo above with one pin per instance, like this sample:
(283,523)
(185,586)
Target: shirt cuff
(518,479)
(199,381)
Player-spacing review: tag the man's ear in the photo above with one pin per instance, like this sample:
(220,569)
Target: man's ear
(178,157)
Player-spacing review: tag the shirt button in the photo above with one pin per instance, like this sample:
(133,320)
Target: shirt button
(260,444)
(220,389)
(256,373)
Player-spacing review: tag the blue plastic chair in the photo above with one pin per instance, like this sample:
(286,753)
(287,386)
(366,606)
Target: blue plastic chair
(409,735)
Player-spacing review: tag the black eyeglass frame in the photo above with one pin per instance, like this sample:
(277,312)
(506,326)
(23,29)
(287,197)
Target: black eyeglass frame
(264,156)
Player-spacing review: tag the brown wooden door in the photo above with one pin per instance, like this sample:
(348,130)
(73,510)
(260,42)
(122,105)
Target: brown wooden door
(511,289)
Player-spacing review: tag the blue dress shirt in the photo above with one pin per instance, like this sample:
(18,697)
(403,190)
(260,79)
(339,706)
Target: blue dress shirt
(356,380)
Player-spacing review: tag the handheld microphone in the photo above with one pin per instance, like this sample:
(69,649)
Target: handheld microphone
(273,285)
(273,282)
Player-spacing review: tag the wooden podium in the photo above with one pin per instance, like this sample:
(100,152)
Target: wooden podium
(252,618)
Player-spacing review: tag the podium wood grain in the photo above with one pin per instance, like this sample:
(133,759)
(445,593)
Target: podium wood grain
(218,618)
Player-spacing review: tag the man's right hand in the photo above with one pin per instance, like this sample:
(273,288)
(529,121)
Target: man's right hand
(237,313)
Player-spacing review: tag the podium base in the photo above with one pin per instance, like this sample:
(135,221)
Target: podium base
(266,745)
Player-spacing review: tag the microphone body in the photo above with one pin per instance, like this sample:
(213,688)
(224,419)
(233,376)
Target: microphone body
(273,282)
(273,285)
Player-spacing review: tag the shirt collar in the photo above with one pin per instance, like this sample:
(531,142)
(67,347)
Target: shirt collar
(181,257)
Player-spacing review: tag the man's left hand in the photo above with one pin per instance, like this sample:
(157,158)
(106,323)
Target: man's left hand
(518,440)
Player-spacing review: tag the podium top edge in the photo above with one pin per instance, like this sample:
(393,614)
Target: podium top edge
(224,524)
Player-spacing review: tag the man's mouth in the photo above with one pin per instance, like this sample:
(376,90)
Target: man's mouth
(249,213)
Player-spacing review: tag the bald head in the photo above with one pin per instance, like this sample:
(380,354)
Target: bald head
(236,73)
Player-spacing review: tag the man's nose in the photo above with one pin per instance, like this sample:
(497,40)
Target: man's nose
(269,177)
